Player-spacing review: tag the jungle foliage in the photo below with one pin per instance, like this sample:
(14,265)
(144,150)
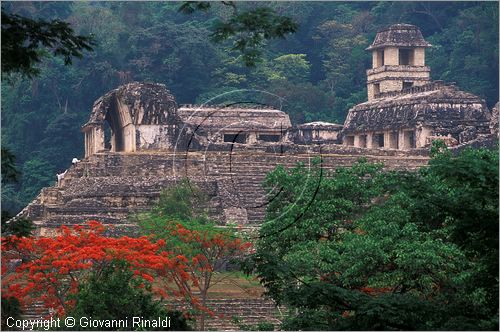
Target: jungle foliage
(366,249)
(114,293)
(318,71)
(25,41)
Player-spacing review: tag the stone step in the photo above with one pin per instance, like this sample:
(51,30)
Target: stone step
(248,311)
(108,186)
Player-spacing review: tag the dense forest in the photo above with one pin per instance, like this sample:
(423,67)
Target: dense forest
(319,71)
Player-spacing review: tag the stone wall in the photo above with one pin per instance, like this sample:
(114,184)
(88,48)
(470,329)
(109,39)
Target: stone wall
(216,124)
(391,77)
(494,120)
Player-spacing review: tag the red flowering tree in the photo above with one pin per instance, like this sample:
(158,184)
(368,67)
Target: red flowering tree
(207,250)
(182,221)
(51,269)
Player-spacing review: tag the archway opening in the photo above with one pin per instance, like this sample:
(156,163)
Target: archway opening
(108,134)
(119,122)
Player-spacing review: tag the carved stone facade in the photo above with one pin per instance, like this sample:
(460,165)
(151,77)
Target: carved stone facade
(132,117)
(408,120)
(316,132)
(244,125)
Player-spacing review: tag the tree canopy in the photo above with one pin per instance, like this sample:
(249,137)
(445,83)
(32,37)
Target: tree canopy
(24,42)
(364,249)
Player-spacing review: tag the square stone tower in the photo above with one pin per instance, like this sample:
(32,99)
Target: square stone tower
(398,54)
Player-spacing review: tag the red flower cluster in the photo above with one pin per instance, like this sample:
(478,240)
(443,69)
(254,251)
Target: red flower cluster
(50,269)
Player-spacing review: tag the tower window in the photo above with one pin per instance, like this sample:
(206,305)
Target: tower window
(405,56)
(380,58)
(376,88)
(407,85)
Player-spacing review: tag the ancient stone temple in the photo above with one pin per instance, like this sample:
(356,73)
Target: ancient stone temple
(405,109)
(138,141)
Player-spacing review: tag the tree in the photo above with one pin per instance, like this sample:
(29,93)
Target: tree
(365,249)
(207,252)
(115,293)
(453,59)
(290,67)
(52,269)
(23,40)
(24,44)
(151,41)
(9,170)
(187,232)
(249,28)
(10,175)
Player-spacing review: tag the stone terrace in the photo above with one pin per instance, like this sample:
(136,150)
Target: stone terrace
(110,186)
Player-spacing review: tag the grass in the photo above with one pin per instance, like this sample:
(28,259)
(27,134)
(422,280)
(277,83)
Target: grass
(234,285)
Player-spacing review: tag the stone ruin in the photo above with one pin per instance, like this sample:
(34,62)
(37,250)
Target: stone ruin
(138,141)
(405,109)
(145,116)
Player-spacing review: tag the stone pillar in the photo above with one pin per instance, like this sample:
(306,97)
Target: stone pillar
(362,141)
(378,58)
(113,142)
(392,139)
(99,139)
(368,140)
(129,144)
(409,139)
(387,139)
(391,56)
(421,135)
(374,59)
(252,137)
(370,91)
(419,56)
(401,140)
(94,139)
(356,141)
(86,143)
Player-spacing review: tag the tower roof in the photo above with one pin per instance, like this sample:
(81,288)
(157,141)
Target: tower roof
(401,35)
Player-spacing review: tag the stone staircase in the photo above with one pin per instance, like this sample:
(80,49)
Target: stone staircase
(247,311)
(110,186)
(35,311)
